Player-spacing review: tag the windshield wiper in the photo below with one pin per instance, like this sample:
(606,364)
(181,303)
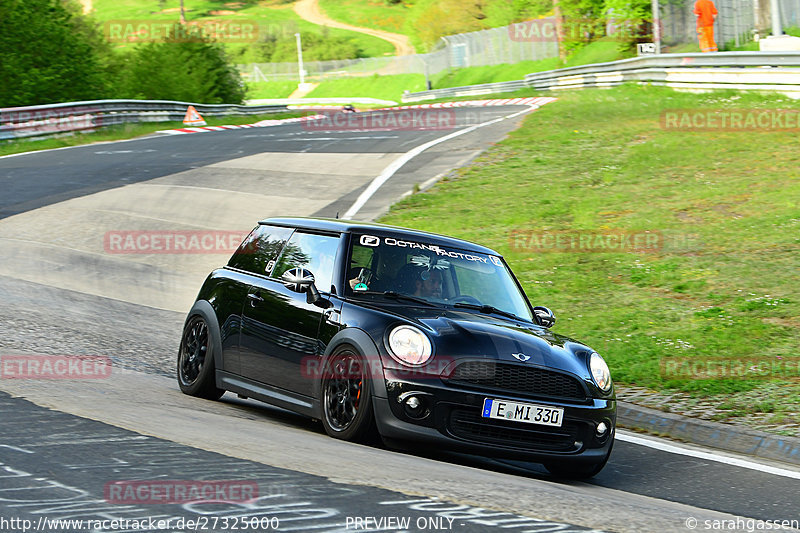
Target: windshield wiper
(397,296)
(487,309)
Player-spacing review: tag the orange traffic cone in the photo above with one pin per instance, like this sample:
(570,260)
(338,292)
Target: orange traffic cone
(193,118)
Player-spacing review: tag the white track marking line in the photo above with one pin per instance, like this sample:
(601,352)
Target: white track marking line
(21,450)
(98,143)
(397,164)
(680,450)
(339,138)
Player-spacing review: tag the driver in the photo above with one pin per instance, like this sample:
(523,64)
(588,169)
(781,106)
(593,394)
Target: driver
(359,278)
(428,284)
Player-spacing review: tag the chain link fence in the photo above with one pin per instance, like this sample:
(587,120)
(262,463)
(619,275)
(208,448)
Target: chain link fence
(480,48)
(790,13)
(498,45)
(736,24)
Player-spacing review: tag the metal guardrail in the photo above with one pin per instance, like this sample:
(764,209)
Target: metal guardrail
(31,121)
(718,59)
(732,70)
(469,90)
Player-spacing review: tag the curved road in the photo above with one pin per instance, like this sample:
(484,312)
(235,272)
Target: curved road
(310,11)
(64,291)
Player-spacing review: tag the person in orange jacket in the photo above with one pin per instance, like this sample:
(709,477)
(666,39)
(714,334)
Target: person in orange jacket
(706,13)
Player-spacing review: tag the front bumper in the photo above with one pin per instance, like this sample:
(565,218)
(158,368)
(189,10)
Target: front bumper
(453,421)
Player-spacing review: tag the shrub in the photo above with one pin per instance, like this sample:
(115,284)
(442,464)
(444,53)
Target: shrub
(192,69)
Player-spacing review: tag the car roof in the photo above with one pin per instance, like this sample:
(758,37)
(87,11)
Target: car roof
(349,226)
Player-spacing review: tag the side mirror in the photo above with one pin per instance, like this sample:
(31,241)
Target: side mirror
(301,280)
(545,316)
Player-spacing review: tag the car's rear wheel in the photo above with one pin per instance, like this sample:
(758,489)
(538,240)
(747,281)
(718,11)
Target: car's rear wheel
(347,397)
(196,376)
(574,470)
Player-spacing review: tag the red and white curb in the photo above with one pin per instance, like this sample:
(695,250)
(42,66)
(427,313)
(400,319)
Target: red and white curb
(260,124)
(534,100)
(528,101)
(321,107)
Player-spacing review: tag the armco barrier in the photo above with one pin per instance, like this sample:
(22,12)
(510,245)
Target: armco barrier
(469,90)
(762,71)
(20,122)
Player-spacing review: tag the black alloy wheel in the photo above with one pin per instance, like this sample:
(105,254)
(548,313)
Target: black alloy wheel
(196,376)
(347,397)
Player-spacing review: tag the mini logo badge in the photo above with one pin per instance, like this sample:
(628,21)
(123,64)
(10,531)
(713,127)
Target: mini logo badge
(370,240)
(521,356)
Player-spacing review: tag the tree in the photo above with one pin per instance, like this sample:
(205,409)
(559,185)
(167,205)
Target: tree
(50,52)
(186,66)
(632,21)
(582,22)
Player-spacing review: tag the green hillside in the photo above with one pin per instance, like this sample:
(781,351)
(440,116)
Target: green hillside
(425,21)
(273,41)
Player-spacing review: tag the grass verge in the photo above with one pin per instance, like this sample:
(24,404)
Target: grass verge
(121,132)
(493,73)
(724,203)
(270,89)
(375,86)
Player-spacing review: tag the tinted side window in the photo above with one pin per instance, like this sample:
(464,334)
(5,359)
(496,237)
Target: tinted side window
(316,253)
(259,249)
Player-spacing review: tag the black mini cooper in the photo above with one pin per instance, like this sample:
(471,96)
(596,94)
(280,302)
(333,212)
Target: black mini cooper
(413,337)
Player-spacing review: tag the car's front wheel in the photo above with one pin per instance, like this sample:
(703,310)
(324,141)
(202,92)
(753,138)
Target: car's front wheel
(196,376)
(347,397)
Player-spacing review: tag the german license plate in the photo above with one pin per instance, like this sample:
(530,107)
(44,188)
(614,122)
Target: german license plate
(522,412)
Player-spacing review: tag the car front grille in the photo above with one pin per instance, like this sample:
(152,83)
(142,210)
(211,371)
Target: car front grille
(522,380)
(467,424)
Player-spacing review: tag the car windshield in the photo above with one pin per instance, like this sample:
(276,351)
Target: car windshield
(410,270)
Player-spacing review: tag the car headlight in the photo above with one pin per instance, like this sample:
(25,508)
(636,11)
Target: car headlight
(600,373)
(409,345)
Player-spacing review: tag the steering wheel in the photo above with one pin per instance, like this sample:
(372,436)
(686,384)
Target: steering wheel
(465,298)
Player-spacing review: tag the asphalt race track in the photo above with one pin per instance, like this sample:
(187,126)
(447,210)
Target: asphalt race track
(66,290)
